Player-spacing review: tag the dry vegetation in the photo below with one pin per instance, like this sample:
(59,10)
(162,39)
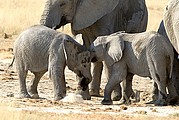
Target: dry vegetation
(17,15)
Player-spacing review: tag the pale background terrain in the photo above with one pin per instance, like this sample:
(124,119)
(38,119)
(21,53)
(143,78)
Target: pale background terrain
(17,15)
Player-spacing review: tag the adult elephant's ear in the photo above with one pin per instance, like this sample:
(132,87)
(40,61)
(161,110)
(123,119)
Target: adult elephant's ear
(114,49)
(89,11)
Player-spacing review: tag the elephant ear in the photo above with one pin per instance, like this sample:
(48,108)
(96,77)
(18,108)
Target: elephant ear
(115,47)
(89,11)
(71,48)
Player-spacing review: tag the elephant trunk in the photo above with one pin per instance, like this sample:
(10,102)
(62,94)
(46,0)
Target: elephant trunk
(51,16)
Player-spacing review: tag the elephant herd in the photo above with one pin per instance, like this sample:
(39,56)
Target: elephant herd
(113,34)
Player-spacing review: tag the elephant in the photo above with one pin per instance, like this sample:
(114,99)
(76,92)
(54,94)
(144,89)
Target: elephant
(39,49)
(146,54)
(171,19)
(175,73)
(93,18)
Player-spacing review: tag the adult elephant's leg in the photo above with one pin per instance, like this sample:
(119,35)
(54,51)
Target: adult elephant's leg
(96,78)
(34,83)
(155,92)
(175,73)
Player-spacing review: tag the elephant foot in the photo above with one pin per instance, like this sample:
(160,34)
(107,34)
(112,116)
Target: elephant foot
(59,96)
(35,96)
(24,95)
(85,94)
(154,97)
(95,93)
(173,101)
(106,102)
(161,102)
(116,98)
(123,101)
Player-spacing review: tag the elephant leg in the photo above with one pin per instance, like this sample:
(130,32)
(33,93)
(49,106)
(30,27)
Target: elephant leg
(117,93)
(175,73)
(118,74)
(173,96)
(56,73)
(34,83)
(96,78)
(155,92)
(22,74)
(127,91)
(85,94)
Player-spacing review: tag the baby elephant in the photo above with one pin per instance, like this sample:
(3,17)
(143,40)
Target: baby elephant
(146,54)
(39,49)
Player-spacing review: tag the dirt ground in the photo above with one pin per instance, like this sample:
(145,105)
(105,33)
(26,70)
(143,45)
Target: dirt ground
(82,109)
(13,108)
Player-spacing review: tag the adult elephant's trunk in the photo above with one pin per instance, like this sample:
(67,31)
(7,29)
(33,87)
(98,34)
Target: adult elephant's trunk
(51,16)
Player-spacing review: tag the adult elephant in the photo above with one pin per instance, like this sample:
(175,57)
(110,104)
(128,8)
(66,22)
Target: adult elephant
(171,23)
(93,18)
(175,74)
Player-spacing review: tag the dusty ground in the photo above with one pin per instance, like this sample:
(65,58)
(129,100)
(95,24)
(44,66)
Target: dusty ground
(9,101)
(14,17)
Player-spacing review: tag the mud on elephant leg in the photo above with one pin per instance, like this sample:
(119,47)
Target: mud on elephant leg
(32,89)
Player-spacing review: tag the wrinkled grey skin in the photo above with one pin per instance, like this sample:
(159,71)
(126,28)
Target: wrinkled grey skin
(93,18)
(175,73)
(146,54)
(171,20)
(39,49)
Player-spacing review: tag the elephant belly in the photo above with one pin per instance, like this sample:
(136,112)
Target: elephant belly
(37,64)
(140,69)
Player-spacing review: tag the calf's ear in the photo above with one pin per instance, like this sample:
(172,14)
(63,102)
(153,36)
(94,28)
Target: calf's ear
(114,49)
(71,48)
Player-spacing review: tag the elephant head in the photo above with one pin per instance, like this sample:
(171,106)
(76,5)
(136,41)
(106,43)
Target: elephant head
(107,48)
(81,13)
(78,60)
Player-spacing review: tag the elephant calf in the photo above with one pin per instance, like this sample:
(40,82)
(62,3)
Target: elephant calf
(39,49)
(146,54)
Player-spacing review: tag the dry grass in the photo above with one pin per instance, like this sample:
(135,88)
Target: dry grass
(16,15)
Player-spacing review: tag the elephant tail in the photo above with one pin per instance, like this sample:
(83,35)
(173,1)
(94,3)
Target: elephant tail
(12,62)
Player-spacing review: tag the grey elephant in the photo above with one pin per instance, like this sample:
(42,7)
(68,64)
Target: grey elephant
(93,18)
(175,73)
(146,54)
(39,49)
(171,19)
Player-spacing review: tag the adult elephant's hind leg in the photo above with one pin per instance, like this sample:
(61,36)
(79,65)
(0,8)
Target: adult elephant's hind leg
(34,83)
(96,79)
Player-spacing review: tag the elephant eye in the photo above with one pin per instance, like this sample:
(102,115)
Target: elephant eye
(84,65)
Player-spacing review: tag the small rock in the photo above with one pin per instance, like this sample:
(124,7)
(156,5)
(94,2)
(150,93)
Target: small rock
(123,107)
(10,94)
